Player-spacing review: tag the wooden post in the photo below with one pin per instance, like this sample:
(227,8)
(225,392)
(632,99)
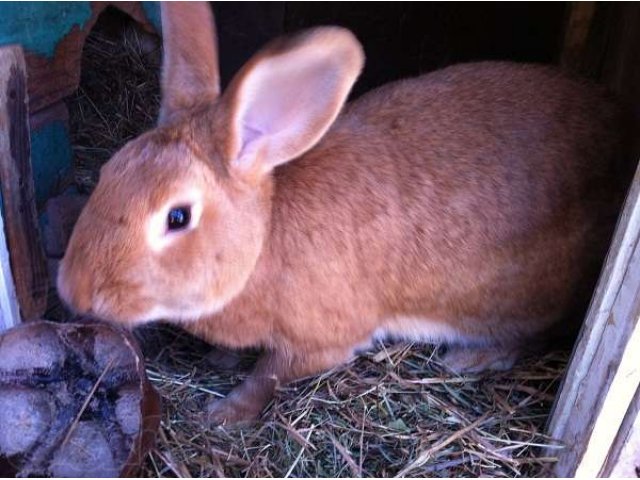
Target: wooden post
(575,44)
(596,399)
(16,182)
(596,412)
(624,456)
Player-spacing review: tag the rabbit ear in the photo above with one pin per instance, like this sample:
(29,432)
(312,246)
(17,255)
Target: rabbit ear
(190,74)
(284,100)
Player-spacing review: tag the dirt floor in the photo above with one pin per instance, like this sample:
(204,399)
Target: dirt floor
(393,411)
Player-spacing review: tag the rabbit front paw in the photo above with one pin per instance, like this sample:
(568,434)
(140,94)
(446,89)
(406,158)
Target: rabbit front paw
(233,410)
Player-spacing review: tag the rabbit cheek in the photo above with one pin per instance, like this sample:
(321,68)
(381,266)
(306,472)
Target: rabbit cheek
(181,276)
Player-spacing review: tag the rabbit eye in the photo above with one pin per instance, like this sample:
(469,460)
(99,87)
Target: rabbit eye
(178,218)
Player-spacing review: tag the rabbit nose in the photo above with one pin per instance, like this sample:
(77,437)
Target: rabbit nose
(79,301)
(75,293)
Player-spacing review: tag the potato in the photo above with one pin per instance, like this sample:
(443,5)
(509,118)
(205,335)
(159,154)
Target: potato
(25,415)
(29,347)
(86,453)
(128,409)
(109,347)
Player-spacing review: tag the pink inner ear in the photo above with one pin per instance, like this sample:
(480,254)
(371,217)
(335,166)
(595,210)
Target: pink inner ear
(286,101)
(249,134)
(284,108)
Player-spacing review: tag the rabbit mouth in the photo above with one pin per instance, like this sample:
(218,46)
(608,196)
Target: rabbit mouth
(104,307)
(129,308)
(149,311)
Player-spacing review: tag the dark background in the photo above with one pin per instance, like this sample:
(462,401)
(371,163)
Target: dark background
(400,38)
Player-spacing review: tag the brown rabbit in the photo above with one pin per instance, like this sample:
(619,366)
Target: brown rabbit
(471,206)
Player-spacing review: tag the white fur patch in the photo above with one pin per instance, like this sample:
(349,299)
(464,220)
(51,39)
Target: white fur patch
(158,237)
(415,329)
(160,312)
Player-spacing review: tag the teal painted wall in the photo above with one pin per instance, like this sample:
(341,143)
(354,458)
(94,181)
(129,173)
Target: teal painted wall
(38,27)
(51,158)
(152,11)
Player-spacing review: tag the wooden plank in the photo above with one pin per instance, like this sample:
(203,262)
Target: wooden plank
(614,407)
(605,368)
(602,41)
(576,37)
(9,313)
(621,65)
(21,225)
(594,408)
(624,457)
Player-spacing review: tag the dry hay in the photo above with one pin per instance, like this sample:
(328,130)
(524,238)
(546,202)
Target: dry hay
(389,412)
(395,410)
(118,97)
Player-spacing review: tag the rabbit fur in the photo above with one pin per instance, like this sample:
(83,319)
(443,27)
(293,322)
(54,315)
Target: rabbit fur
(471,206)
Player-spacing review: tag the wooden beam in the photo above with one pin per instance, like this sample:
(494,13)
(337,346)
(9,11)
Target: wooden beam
(624,456)
(596,412)
(16,181)
(576,36)
(604,372)
(613,411)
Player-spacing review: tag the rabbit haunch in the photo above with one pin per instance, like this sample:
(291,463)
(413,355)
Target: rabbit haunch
(472,205)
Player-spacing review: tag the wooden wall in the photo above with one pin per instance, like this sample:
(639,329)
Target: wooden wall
(596,415)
